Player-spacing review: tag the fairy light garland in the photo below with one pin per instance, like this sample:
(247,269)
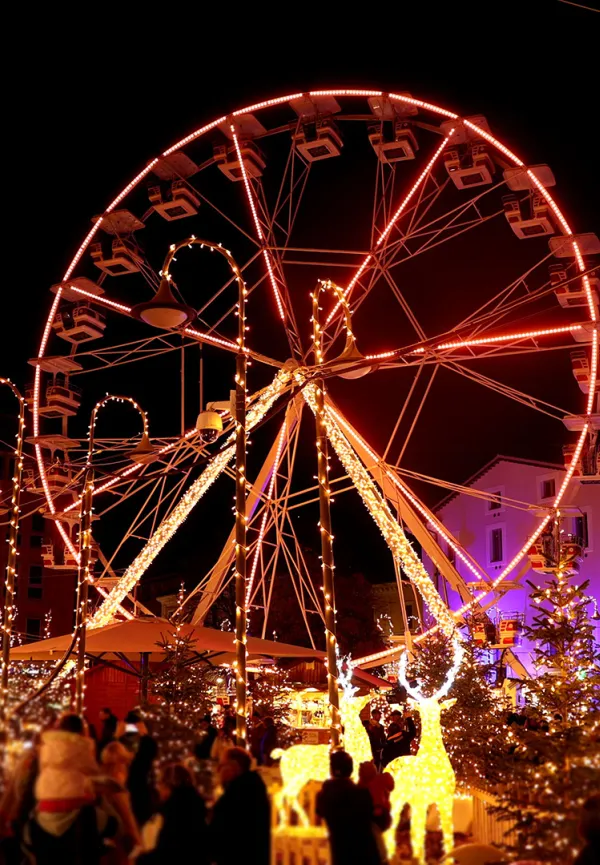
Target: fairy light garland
(11,563)
(327,559)
(168,527)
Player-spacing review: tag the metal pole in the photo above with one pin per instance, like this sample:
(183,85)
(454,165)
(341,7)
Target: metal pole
(327,563)
(85,541)
(85,545)
(11,564)
(240,521)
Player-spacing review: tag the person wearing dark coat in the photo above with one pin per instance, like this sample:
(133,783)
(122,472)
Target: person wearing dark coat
(377,737)
(240,830)
(268,742)
(209,734)
(178,829)
(348,812)
(139,783)
(108,730)
(589,829)
(400,735)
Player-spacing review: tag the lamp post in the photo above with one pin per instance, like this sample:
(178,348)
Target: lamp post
(167,313)
(140,453)
(350,355)
(11,564)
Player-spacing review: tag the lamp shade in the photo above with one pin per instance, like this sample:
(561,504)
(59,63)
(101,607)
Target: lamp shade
(164,310)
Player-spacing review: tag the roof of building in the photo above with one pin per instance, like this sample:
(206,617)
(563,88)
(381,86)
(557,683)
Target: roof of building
(500,458)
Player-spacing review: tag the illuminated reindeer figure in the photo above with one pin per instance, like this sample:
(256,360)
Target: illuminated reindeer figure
(303,763)
(427,778)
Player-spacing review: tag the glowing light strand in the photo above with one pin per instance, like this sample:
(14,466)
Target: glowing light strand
(258,227)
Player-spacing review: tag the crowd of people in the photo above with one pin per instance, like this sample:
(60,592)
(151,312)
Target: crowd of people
(81,799)
(106,799)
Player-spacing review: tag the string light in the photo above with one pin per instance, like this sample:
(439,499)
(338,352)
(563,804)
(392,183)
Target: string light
(259,232)
(11,561)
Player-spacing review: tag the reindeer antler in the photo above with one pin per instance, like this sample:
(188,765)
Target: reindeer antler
(345,674)
(416,693)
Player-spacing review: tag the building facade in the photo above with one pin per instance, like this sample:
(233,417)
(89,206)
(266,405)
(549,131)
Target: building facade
(493,523)
(41,591)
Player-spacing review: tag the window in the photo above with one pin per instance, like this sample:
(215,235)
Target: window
(36,541)
(495,504)
(34,588)
(34,627)
(496,545)
(38,523)
(548,488)
(494,501)
(580,528)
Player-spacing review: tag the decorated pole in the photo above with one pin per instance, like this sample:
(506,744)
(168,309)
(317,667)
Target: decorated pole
(83,582)
(11,564)
(327,563)
(141,453)
(240,520)
(161,310)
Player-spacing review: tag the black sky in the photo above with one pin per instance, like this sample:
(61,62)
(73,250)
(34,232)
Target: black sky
(89,101)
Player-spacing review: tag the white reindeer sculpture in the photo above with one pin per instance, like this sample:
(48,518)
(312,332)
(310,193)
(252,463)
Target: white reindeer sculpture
(303,763)
(428,777)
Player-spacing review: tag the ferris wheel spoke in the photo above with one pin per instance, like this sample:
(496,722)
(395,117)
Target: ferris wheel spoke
(407,437)
(555,412)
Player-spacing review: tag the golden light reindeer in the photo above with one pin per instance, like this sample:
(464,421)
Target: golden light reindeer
(427,778)
(303,763)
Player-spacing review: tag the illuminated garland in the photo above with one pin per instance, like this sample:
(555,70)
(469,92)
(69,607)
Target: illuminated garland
(169,526)
(378,508)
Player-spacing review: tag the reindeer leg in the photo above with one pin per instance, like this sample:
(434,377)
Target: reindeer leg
(390,835)
(445,809)
(418,824)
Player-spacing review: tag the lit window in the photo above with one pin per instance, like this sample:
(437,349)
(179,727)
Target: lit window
(548,488)
(496,545)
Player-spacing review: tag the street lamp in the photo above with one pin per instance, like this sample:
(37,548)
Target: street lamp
(141,453)
(167,313)
(349,356)
(11,564)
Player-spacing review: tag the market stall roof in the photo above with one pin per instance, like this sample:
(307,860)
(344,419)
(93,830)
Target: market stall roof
(144,634)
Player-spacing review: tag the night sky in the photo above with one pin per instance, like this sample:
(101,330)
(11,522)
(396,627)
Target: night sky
(88,105)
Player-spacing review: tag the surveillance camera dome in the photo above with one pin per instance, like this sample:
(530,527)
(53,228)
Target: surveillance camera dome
(209,425)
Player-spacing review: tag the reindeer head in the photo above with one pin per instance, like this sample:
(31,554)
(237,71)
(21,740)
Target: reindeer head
(349,698)
(418,699)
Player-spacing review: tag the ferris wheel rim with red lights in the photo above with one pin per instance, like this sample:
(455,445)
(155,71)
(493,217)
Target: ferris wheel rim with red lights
(471,156)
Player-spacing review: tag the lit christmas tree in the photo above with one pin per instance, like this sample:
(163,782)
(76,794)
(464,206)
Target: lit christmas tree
(181,694)
(556,759)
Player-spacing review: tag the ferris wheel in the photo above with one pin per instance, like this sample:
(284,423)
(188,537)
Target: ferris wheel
(446,285)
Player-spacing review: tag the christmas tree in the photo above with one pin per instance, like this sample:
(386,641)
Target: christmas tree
(555,763)
(181,694)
